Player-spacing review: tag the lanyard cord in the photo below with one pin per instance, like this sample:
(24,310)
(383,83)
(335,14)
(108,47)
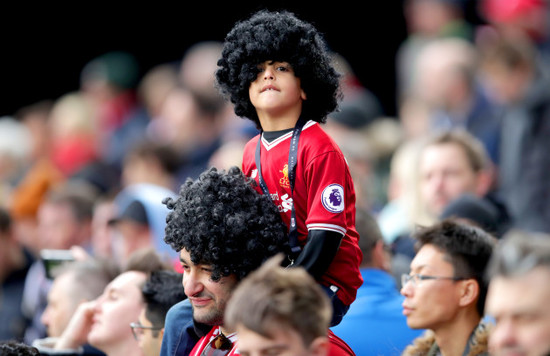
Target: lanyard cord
(292,163)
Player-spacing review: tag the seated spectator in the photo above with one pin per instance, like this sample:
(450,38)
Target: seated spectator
(223,229)
(74,283)
(15,262)
(446,290)
(377,311)
(161,291)
(282,311)
(519,289)
(104,323)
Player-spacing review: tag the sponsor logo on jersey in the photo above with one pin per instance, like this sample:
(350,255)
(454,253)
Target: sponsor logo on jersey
(333,198)
(284,182)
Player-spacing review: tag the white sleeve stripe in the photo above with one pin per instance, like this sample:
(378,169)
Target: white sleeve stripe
(329,227)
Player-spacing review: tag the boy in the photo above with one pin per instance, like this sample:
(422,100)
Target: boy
(276,71)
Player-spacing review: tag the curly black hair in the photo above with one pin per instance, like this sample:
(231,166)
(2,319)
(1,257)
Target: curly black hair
(222,221)
(278,36)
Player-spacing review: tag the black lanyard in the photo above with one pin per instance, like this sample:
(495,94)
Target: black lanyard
(292,162)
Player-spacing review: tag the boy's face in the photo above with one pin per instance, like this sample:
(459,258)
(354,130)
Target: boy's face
(277,92)
(284,342)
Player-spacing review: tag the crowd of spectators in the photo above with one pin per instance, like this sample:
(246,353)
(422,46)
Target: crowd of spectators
(465,157)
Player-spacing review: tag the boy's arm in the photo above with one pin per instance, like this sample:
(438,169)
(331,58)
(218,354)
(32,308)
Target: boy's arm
(319,251)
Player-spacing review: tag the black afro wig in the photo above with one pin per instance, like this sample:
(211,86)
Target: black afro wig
(224,222)
(278,36)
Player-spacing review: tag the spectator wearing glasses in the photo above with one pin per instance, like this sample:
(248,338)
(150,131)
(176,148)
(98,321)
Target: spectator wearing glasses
(377,311)
(161,291)
(445,290)
(223,229)
(518,295)
(104,323)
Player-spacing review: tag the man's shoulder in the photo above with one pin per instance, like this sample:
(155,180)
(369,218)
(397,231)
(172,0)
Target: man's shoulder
(338,347)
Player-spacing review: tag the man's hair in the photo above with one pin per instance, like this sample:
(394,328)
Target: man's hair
(161,291)
(222,221)
(518,253)
(79,197)
(88,277)
(466,247)
(274,298)
(5,221)
(370,233)
(474,150)
(166,156)
(278,36)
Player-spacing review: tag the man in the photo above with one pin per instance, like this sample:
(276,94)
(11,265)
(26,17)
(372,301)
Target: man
(518,295)
(445,291)
(456,180)
(223,229)
(278,311)
(161,291)
(64,220)
(104,323)
(377,310)
(516,79)
(74,283)
(452,163)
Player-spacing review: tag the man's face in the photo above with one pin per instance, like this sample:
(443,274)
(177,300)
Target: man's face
(445,174)
(208,298)
(60,306)
(149,340)
(283,342)
(522,314)
(118,306)
(431,304)
(57,226)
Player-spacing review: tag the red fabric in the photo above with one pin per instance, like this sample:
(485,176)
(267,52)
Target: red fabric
(321,169)
(338,347)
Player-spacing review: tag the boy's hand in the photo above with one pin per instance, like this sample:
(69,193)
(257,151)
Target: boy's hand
(76,333)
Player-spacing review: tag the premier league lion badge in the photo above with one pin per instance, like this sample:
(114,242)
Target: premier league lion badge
(333,198)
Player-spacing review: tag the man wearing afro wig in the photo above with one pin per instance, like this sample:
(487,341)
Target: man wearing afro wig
(277,72)
(223,229)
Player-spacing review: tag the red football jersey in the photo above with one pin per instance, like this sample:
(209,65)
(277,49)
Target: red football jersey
(324,197)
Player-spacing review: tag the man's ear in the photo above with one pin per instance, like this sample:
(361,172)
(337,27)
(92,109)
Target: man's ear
(161,333)
(469,292)
(303,95)
(319,346)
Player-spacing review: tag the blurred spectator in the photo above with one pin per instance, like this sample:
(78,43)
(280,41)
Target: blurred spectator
(451,164)
(446,290)
(15,150)
(513,77)
(39,176)
(152,163)
(74,283)
(108,82)
(519,288)
(151,93)
(148,177)
(427,20)
(64,221)
(161,291)
(514,18)
(446,80)
(73,133)
(15,262)
(377,311)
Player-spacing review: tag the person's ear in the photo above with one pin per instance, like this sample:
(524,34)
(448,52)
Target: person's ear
(469,292)
(303,95)
(319,346)
(161,333)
